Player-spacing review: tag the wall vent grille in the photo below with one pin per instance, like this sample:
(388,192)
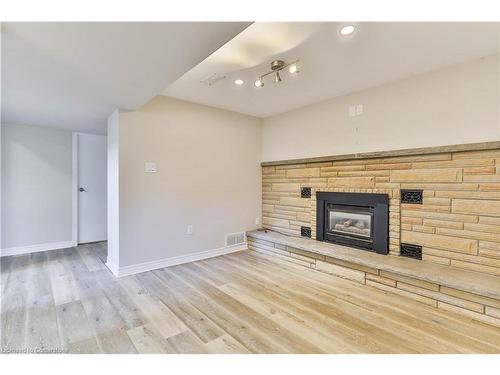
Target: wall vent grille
(411,251)
(235,238)
(305,192)
(412,196)
(305,232)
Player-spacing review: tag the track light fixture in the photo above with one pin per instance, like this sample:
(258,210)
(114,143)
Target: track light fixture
(276,67)
(277,78)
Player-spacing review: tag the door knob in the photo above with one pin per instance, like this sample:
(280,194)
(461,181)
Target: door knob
(82,189)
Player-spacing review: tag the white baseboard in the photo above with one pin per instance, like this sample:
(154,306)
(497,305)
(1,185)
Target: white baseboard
(149,266)
(113,267)
(36,248)
(93,241)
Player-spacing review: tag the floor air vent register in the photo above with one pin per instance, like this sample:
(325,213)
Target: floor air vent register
(235,238)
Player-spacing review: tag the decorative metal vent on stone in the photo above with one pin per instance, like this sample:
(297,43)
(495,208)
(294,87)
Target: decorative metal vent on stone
(305,192)
(305,231)
(412,196)
(411,251)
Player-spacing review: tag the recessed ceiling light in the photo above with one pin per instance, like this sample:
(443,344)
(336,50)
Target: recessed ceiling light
(347,30)
(239,82)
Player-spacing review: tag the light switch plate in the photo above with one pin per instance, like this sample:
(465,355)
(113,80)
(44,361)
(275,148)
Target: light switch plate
(150,167)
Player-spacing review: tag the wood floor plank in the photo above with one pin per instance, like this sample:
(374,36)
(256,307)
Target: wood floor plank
(231,323)
(354,293)
(327,343)
(15,290)
(115,341)
(433,336)
(226,345)
(99,249)
(88,346)
(155,312)
(286,313)
(102,315)
(277,333)
(375,319)
(193,318)
(13,335)
(13,302)
(90,259)
(5,263)
(322,280)
(343,335)
(62,281)
(186,343)
(147,340)
(41,327)
(245,302)
(216,279)
(74,328)
(120,300)
(107,325)
(41,320)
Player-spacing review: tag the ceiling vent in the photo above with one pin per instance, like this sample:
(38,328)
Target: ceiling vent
(212,80)
(235,238)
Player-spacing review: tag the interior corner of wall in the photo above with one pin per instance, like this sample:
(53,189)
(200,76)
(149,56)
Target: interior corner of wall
(113,266)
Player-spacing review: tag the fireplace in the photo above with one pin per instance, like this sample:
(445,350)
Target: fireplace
(359,220)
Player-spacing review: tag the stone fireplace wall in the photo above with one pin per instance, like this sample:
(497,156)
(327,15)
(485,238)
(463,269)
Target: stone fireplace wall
(458,223)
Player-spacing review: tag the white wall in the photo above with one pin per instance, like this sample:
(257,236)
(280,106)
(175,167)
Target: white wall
(455,105)
(208,176)
(36,186)
(113,195)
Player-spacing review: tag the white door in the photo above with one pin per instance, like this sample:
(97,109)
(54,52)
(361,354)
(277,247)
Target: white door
(92,164)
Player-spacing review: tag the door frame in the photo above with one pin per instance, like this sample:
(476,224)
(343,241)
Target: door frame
(75,186)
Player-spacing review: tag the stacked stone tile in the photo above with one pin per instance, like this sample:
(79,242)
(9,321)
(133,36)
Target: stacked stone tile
(457,225)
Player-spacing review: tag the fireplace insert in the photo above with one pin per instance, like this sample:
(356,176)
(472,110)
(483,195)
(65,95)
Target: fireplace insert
(359,220)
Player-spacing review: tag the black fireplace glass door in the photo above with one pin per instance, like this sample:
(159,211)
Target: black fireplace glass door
(350,221)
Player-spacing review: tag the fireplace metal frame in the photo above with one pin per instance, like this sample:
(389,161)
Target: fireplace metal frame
(377,203)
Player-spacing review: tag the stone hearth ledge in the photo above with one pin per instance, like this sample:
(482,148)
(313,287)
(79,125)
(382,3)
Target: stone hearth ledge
(481,146)
(467,281)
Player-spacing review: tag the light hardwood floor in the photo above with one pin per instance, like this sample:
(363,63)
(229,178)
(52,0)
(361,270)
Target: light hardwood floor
(240,303)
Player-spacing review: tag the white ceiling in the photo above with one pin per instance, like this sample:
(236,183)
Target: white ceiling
(73,75)
(332,65)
